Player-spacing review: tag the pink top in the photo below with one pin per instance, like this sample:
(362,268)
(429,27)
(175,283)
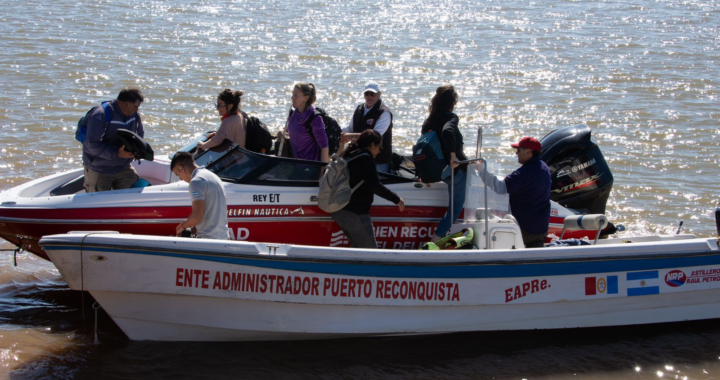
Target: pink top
(233,128)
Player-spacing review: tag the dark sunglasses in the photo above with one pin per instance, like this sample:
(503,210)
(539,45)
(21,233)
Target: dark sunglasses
(218,105)
(369,93)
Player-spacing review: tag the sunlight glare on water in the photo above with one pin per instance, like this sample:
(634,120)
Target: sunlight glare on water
(643,75)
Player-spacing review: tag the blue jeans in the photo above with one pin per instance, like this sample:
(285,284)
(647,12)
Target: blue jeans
(458,203)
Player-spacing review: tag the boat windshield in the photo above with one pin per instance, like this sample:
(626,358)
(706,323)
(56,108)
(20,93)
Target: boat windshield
(242,166)
(498,203)
(207,157)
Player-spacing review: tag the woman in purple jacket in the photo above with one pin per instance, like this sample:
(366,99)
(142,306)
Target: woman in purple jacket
(304,145)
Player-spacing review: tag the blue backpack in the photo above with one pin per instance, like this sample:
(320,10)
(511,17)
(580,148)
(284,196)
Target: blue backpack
(81,131)
(428,158)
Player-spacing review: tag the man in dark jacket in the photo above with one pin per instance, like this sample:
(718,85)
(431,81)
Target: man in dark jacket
(107,163)
(529,190)
(372,114)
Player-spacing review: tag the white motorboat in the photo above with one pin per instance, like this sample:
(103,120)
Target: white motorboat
(175,289)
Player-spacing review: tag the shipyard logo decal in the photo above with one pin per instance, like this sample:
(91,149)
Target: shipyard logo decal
(562,173)
(338,238)
(643,283)
(520,291)
(601,285)
(704,275)
(265,211)
(579,184)
(675,278)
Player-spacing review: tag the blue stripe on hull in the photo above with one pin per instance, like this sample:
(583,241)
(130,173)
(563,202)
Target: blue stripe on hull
(404,270)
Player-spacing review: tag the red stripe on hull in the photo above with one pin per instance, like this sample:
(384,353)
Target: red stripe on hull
(177,212)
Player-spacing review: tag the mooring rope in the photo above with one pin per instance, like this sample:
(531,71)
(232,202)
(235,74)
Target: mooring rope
(15,251)
(95,307)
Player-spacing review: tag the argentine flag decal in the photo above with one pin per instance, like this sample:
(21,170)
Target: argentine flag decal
(643,283)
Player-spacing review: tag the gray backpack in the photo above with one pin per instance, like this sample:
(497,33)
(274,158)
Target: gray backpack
(334,192)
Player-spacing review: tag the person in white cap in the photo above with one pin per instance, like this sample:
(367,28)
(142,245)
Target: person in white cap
(372,114)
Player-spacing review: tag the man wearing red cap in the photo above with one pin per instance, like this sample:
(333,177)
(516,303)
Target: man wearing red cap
(529,190)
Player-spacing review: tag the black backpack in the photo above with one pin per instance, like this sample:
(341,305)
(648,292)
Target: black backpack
(258,138)
(332,129)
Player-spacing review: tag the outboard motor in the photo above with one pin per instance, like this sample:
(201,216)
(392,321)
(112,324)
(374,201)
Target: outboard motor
(717,218)
(581,178)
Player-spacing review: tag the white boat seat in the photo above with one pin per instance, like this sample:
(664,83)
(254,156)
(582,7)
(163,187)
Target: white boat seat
(584,222)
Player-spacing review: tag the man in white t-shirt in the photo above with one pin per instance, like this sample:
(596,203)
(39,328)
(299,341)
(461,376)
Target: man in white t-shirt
(209,207)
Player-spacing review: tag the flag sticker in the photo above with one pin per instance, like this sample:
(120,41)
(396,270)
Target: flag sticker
(601,285)
(643,283)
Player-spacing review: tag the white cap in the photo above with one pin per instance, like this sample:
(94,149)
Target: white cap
(372,86)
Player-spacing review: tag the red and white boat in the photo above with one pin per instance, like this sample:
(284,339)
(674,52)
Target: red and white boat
(273,199)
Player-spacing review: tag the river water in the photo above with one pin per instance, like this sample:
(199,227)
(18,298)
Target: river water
(644,75)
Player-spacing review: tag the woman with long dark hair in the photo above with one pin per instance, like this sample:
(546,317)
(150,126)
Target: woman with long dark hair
(233,125)
(444,122)
(354,219)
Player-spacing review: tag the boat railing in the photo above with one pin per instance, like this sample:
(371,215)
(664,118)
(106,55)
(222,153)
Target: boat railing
(482,201)
(500,203)
(452,195)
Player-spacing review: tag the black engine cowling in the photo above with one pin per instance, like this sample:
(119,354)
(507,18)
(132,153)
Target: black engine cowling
(581,178)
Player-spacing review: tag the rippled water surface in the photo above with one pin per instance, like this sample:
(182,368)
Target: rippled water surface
(643,74)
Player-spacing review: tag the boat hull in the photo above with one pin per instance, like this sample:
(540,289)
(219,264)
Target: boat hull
(208,319)
(201,290)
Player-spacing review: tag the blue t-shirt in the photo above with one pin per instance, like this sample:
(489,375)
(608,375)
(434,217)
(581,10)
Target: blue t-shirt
(529,190)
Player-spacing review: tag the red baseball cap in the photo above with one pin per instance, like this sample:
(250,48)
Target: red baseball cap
(528,143)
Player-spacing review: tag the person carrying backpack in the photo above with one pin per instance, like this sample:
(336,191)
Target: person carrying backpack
(233,125)
(106,162)
(305,146)
(445,123)
(354,218)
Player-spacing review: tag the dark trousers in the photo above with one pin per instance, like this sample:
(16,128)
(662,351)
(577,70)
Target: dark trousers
(534,240)
(357,228)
